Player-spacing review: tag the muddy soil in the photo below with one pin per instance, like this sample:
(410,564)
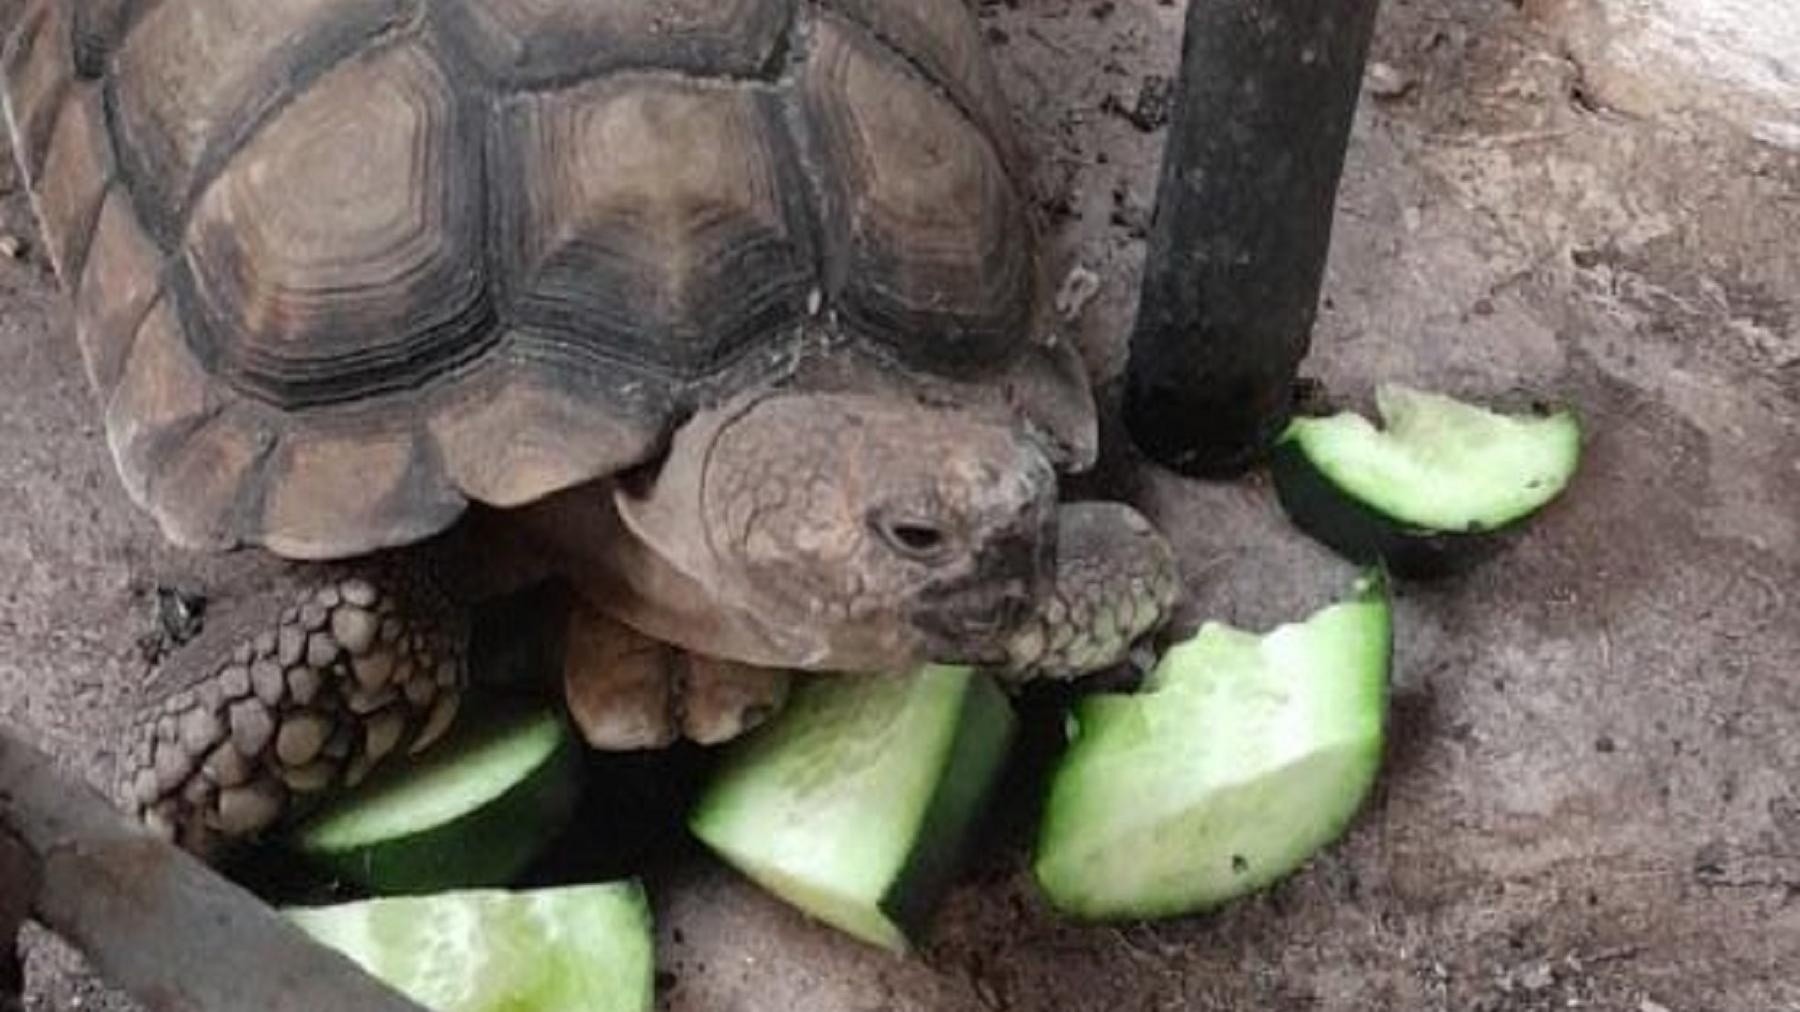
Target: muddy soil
(1591,800)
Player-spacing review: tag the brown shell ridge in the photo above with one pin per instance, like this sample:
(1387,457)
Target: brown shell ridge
(414,304)
(99,26)
(320,413)
(998,134)
(32,103)
(612,177)
(811,201)
(476,33)
(967,284)
(219,525)
(769,76)
(79,167)
(166,215)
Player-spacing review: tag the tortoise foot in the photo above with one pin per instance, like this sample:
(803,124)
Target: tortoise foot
(299,690)
(626,691)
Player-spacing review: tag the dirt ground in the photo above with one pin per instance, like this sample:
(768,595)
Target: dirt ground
(1592,796)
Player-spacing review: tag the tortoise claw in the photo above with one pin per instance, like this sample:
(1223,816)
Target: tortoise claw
(626,691)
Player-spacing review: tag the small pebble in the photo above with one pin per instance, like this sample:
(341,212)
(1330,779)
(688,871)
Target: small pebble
(358,592)
(1387,81)
(1078,289)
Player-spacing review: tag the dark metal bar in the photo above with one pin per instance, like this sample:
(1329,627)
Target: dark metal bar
(1245,199)
(153,919)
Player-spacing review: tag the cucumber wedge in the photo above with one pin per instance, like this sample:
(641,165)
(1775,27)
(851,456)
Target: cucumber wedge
(586,948)
(473,811)
(1241,757)
(1433,490)
(856,802)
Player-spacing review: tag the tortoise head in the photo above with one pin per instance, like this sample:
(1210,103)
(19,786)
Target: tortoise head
(859,532)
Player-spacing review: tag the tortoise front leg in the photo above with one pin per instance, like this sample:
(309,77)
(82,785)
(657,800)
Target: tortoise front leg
(300,688)
(1116,582)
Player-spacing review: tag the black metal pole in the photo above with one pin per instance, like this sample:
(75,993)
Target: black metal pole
(1244,206)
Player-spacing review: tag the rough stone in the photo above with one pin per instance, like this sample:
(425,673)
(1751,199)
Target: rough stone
(1738,60)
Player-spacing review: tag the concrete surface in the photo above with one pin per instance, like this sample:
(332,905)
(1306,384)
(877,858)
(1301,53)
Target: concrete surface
(1733,59)
(1591,800)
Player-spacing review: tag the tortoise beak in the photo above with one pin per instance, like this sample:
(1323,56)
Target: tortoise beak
(969,620)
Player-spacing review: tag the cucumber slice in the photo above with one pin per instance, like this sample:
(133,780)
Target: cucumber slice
(472,811)
(856,802)
(1430,492)
(586,948)
(1242,757)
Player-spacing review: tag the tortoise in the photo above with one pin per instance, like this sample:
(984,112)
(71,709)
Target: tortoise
(729,315)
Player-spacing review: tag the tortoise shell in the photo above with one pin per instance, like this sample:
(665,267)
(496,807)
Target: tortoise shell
(341,267)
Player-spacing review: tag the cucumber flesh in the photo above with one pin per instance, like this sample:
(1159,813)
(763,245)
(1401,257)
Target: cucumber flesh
(586,948)
(474,810)
(1242,757)
(1441,464)
(856,802)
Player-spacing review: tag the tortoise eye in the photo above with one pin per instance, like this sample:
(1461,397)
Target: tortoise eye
(916,539)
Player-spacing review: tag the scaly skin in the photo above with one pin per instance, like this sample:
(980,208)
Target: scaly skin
(299,689)
(1116,582)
